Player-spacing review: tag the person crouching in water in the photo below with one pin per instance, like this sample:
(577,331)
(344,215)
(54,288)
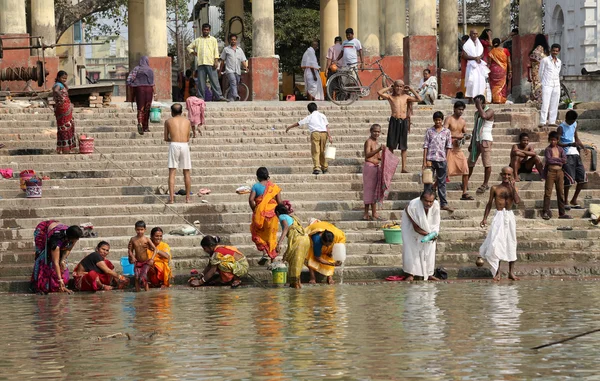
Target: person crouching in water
(323,236)
(227,261)
(501,241)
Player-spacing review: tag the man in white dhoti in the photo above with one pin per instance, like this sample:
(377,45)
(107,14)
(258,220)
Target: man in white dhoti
(477,71)
(421,217)
(501,241)
(312,78)
(428,87)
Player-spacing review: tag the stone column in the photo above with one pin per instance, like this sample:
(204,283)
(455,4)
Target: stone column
(395,26)
(12,17)
(368,27)
(264,65)
(329,27)
(136,35)
(420,46)
(155,28)
(342,17)
(43,24)
(530,24)
(449,73)
(351,17)
(500,18)
(234,8)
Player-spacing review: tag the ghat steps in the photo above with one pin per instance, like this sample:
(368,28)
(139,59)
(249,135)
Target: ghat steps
(98,188)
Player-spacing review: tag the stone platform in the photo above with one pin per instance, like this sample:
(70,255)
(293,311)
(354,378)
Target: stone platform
(116,186)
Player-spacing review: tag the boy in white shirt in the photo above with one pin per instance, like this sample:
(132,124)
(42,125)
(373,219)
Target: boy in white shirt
(351,51)
(318,126)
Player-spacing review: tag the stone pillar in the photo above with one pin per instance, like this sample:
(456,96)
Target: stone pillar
(329,27)
(136,35)
(264,65)
(395,26)
(368,27)
(530,24)
(43,24)
(448,73)
(155,28)
(351,18)
(342,18)
(499,18)
(12,17)
(420,46)
(234,8)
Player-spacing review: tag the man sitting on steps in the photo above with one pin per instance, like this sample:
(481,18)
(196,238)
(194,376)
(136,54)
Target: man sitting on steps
(177,134)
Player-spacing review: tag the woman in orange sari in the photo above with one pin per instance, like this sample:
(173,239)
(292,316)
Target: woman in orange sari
(500,71)
(264,197)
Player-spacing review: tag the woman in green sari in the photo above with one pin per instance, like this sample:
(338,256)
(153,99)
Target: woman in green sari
(298,243)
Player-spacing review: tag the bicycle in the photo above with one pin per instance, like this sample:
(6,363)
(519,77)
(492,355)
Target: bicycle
(345,86)
(243,91)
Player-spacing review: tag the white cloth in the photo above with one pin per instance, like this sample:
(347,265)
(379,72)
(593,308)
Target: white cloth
(550,99)
(429,89)
(501,241)
(314,87)
(351,48)
(419,258)
(486,130)
(477,73)
(179,156)
(549,72)
(316,122)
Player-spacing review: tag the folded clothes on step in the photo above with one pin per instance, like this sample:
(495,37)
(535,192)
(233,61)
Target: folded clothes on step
(7,173)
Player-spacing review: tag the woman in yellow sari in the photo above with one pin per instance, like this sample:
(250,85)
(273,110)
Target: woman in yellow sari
(500,71)
(323,236)
(539,51)
(298,244)
(160,274)
(227,261)
(264,197)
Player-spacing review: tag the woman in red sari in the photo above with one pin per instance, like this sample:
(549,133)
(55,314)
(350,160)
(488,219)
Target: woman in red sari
(500,72)
(141,80)
(486,40)
(95,272)
(264,197)
(63,111)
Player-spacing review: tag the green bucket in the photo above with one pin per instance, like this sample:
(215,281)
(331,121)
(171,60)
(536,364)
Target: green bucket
(279,276)
(155,113)
(393,236)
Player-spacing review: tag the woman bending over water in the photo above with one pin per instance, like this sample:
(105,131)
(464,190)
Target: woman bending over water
(298,244)
(264,197)
(227,261)
(95,272)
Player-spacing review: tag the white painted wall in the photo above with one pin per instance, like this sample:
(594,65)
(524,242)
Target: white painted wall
(574,25)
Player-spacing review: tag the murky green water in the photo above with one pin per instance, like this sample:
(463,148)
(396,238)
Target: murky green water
(457,331)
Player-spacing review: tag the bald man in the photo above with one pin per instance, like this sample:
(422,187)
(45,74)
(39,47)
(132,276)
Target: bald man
(177,134)
(399,126)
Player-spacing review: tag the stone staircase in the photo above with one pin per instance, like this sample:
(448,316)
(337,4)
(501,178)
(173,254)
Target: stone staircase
(116,186)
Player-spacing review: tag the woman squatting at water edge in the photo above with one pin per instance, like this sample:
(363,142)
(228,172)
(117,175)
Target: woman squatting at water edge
(95,272)
(227,261)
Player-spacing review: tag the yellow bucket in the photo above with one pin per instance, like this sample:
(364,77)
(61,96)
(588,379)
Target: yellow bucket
(279,276)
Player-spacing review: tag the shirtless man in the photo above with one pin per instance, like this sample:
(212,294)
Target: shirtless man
(523,157)
(457,162)
(501,241)
(399,126)
(177,134)
(371,170)
(137,249)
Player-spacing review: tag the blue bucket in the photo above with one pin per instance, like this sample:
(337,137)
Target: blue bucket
(127,267)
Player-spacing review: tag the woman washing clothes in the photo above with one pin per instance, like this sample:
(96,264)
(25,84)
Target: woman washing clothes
(297,240)
(63,111)
(323,236)
(227,261)
(264,197)
(95,272)
(141,80)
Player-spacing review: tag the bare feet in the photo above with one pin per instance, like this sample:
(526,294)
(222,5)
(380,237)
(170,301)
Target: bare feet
(409,278)
(106,288)
(330,280)
(187,199)
(433,278)
(447,208)
(312,281)
(405,171)
(236,283)
(498,276)
(296,285)
(170,202)
(512,276)
(146,286)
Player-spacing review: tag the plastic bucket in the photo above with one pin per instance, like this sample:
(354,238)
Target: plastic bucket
(339,252)
(279,276)
(127,267)
(86,145)
(33,188)
(155,114)
(393,236)
(24,176)
(330,153)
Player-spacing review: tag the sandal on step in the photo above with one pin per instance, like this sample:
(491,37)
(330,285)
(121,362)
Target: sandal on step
(140,129)
(545,216)
(483,188)
(467,197)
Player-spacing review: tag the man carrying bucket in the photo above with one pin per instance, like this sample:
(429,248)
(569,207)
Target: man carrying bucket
(318,126)
(323,238)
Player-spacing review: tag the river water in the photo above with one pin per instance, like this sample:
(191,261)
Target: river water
(444,331)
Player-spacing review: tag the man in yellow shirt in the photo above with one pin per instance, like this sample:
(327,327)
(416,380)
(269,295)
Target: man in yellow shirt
(207,51)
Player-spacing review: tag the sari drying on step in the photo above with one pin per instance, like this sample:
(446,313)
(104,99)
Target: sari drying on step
(499,59)
(264,224)
(44,278)
(228,266)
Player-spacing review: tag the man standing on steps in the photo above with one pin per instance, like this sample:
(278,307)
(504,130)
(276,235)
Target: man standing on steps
(481,141)
(332,55)
(457,162)
(177,134)
(501,241)
(318,126)
(351,52)
(549,73)
(234,61)
(312,76)
(399,126)
(477,71)
(207,51)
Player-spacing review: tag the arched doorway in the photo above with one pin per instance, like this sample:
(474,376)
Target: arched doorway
(557,35)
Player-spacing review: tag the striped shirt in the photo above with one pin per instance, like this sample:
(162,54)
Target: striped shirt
(206,48)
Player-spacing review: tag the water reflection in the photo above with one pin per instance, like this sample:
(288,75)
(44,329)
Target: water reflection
(377,332)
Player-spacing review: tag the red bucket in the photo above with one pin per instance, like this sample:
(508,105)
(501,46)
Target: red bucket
(24,176)
(86,145)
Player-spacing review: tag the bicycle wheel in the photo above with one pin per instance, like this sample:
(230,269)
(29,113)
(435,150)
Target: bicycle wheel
(337,91)
(565,96)
(243,92)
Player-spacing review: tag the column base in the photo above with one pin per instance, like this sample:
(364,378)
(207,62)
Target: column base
(449,82)
(420,53)
(162,77)
(264,78)
(521,87)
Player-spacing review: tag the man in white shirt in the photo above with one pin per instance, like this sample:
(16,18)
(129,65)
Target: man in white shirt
(233,61)
(550,77)
(318,126)
(351,51)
